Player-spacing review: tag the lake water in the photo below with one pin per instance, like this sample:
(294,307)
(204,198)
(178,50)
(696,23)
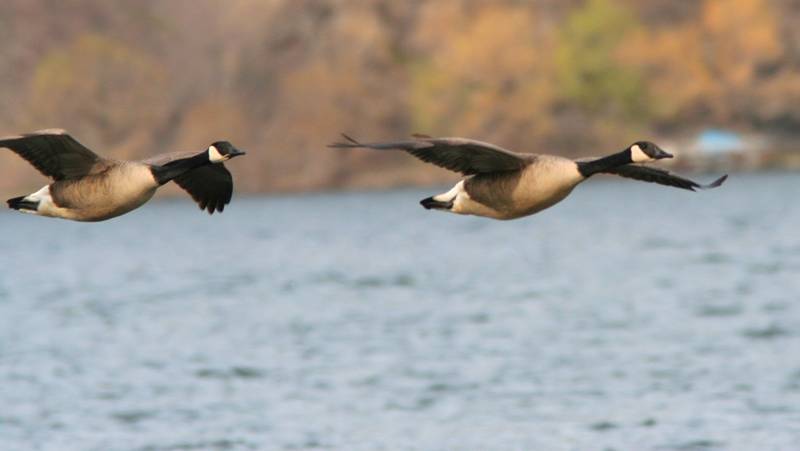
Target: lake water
(629,317)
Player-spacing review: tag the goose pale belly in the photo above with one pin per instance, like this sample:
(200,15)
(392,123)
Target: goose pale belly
(513,195)
(96,198)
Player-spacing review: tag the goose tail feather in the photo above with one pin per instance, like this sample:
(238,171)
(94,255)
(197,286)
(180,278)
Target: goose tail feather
(20,203)
(430,203)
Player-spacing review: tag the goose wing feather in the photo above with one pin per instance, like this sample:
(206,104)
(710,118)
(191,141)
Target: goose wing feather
(55,154)
(466,156)
(210,186)
(657,175)
(663,177)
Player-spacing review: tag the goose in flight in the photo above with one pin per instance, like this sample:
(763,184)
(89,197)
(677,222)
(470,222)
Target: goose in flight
(501,184)
(87,187)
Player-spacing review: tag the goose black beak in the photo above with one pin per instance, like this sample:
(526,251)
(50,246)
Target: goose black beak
(660,153)
(237,152)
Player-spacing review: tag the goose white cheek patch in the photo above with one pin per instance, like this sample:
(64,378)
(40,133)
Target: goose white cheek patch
(637,155)
(214,156)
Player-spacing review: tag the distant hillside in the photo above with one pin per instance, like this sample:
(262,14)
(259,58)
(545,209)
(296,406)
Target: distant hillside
(281,78)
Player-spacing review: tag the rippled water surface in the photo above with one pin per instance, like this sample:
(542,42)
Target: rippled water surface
(629,317)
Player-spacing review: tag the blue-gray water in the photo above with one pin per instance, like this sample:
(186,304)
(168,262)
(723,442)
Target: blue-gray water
(629,317)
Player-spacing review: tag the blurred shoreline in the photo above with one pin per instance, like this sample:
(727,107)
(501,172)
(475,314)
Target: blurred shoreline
(282,78)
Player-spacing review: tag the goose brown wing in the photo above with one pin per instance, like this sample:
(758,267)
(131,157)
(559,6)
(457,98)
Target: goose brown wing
(662,177)
(466,156)
(210,186)
(54,153)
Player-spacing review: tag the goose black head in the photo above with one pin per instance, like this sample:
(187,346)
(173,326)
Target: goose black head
(642,151)
(222,151)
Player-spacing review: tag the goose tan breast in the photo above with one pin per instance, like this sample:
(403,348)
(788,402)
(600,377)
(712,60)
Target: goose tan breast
(540,185)
(118,190)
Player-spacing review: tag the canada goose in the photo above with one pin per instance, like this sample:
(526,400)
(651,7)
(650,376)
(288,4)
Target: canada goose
(87,187)
(502,184)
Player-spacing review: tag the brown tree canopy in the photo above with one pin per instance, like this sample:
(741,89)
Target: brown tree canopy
(281,78)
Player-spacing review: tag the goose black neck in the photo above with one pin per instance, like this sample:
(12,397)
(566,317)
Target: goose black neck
(589,168)
(176,168)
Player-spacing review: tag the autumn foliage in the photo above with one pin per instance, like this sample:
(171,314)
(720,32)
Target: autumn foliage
(282,78)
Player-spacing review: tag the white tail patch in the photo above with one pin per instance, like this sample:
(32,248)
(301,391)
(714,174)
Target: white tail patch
(638,155)
(45,206)
(42,196)
(450,195)
(214,156)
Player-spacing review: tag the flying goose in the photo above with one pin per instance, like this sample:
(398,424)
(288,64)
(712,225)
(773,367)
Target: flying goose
(87,187)
(501,184)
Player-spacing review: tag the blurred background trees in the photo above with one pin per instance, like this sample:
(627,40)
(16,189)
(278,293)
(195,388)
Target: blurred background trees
(281,78)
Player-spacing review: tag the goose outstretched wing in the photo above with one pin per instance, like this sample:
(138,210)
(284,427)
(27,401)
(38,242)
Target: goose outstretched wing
(211,186)
(54,153)
(662,177)
(463,155)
